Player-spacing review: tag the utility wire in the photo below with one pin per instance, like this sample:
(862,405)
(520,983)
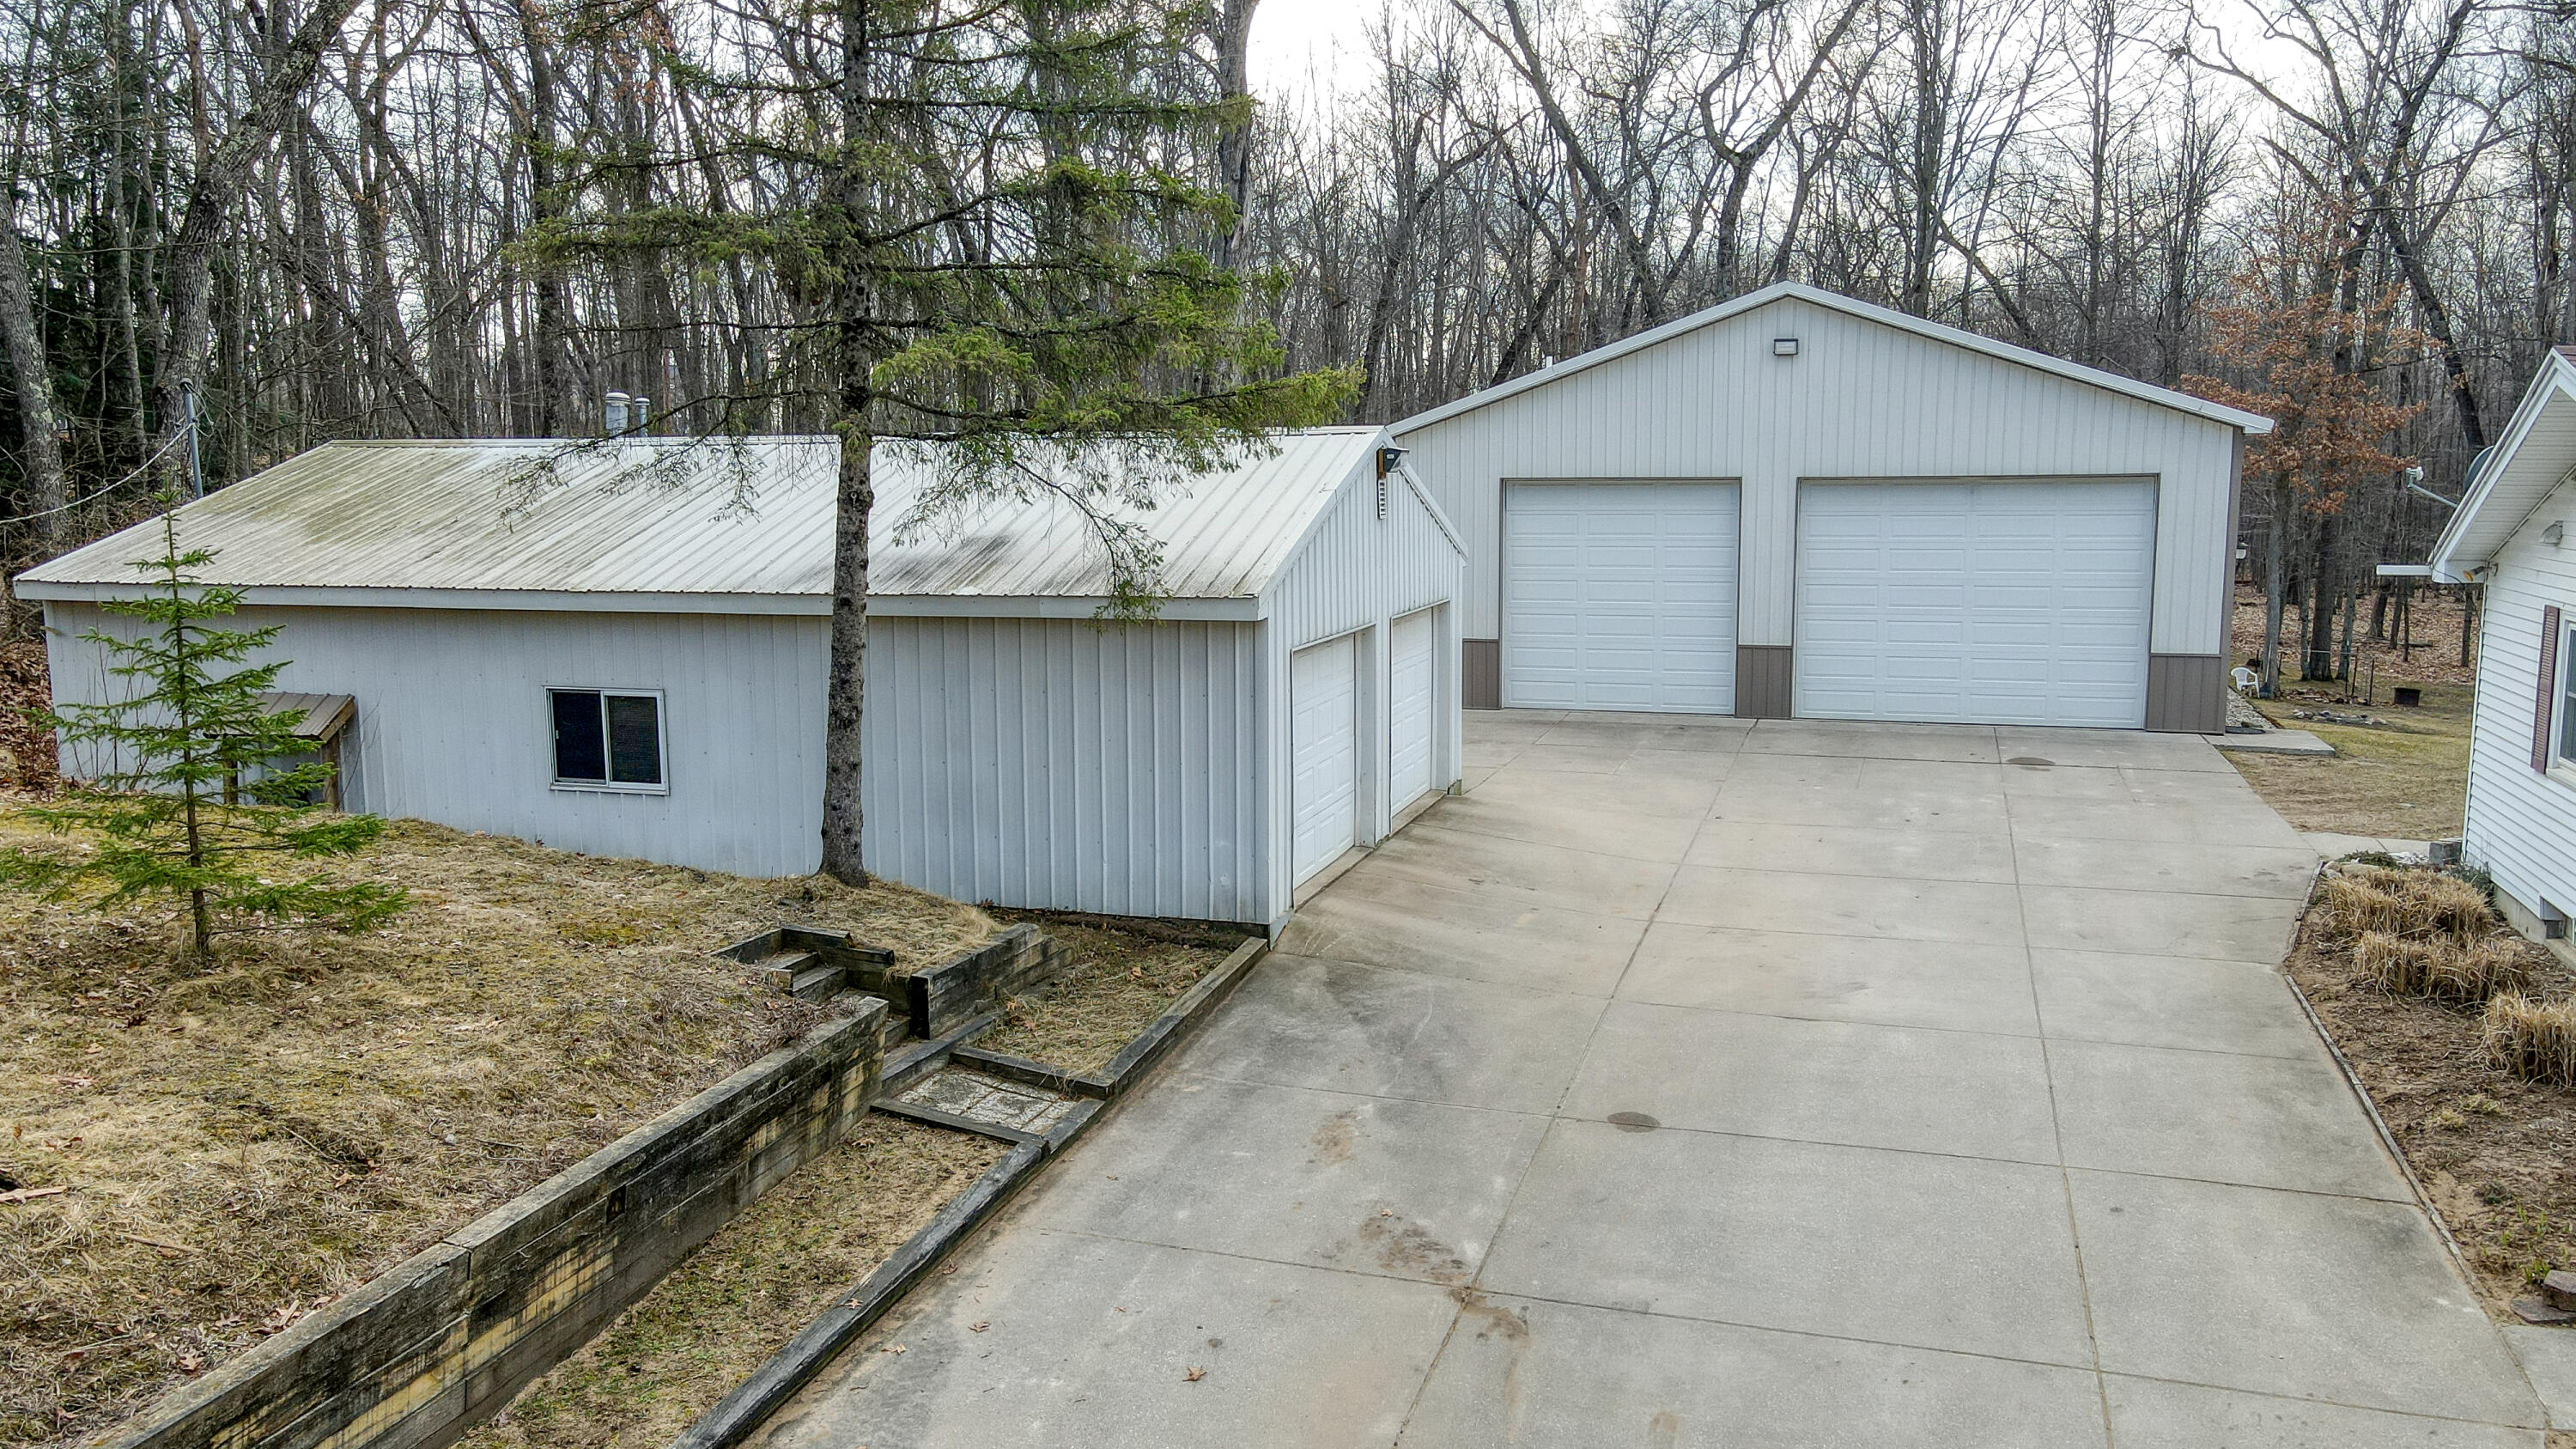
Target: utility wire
(145,467)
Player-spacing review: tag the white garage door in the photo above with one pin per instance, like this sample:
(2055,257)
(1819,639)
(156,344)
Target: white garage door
(1323,753)
(1409,651)
(1987,603)
(1619,596)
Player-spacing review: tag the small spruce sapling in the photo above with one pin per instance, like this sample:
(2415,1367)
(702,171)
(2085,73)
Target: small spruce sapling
(198,806)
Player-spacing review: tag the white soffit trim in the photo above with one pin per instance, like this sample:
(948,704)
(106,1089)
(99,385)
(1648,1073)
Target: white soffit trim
(1904,322)
(2502,498)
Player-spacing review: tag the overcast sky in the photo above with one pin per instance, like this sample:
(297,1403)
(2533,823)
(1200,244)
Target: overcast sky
(1307,49)
(1296,43)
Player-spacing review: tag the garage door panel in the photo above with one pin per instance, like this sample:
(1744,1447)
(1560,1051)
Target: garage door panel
(1411,688)
(1620,596)
(1323,754)
(2005,602)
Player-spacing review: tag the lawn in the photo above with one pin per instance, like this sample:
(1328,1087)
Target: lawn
(2407,778)
(239,1147)
(744,1292)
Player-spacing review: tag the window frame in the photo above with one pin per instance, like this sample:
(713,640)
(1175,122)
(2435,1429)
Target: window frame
(2562,707)
(661,740)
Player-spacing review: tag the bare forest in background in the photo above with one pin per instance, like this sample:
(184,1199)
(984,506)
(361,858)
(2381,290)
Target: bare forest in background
(316,215)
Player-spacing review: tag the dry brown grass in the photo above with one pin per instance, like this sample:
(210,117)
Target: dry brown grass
(1124,976)
(2534,1040)
(744,1292)
(2441,968)
(243,1145)
(2412,905)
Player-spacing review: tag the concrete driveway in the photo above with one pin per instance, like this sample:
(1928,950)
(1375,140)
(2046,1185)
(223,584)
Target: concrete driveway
(1692,1081)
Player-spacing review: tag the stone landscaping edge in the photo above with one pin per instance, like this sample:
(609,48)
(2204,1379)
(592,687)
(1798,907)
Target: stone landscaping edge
(418,1355)
(741,1412)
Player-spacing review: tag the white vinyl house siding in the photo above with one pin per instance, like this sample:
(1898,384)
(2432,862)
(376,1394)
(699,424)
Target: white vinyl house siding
(1044,760)
(453,723)
(1860,400)
(2522,823)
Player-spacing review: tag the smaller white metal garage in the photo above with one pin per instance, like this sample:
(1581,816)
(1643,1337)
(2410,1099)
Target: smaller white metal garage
(629,659)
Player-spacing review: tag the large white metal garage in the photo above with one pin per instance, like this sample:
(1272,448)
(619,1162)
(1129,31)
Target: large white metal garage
(1799,505)
(628,658)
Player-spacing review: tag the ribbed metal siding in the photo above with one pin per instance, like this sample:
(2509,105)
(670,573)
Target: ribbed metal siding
(1357,571)
(1048,763)
(452,721)
(2522,823)
(1860,400)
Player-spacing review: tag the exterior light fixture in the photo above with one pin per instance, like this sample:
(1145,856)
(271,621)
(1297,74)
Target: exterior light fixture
(1387,458)
(2555,535)
(1784,347)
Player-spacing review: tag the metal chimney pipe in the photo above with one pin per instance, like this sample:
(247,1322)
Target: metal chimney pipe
(639,412)
(616,414)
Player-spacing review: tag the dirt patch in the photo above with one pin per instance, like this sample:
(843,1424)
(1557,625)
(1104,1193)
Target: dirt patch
(1124,975)
(244,1145)
(744,1292)
(2496,1153)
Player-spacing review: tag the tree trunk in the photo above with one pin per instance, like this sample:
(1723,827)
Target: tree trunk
(34,381)
(845,693)
(556,407)
(1234,143)
(2276,580)
(221,176)
(2317,658)
(845,701)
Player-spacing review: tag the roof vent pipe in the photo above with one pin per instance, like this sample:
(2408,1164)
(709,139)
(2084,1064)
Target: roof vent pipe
(616,422)
(639,413)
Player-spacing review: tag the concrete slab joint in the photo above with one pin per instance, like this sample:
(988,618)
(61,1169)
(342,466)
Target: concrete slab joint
(1695,1079)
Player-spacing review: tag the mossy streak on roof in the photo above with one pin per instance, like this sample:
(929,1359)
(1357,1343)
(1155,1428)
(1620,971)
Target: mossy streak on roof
(683,516)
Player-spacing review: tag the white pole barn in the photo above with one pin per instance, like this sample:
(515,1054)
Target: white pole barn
(1798,505)
(621,649)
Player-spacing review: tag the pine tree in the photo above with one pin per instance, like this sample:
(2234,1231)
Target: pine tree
(989,226)
(198,805)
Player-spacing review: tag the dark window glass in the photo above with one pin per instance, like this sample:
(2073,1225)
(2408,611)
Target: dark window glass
(581,751)
(634,739)
(2567,698)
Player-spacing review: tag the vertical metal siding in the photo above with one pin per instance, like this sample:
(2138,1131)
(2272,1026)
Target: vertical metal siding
(2521,822)
(452,721)
(1860,400)
(1355,571)
(1043,762)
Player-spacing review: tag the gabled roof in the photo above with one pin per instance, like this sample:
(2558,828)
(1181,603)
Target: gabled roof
(2536,455)
(1903,322)
(700,525)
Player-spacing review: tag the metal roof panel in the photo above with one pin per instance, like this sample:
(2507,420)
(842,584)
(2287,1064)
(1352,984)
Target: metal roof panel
(707,516)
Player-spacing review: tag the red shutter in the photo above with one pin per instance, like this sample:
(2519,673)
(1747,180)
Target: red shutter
(2546,705)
